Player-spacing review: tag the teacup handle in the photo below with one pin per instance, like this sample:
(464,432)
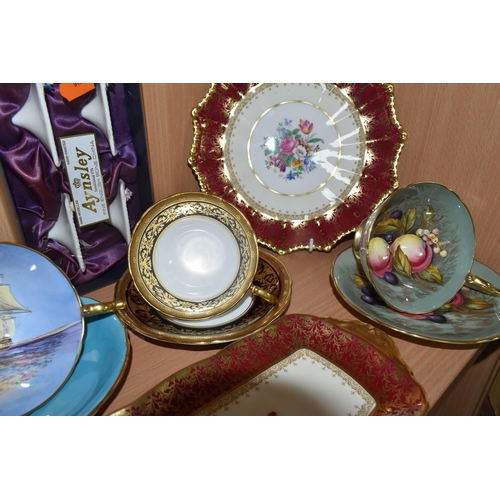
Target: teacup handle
(268,297)
(87,310)
(104,307)
(481,285)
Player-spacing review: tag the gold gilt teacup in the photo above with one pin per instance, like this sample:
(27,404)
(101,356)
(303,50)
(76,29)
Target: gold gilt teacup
(193,256)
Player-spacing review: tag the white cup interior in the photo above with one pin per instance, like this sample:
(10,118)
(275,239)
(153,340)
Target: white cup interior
(196,258)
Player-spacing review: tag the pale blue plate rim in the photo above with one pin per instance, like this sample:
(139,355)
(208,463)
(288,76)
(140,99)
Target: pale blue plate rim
(108,324)
(342,273)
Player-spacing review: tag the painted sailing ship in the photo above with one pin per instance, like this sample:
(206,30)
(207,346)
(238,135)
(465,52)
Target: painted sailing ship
(9,309)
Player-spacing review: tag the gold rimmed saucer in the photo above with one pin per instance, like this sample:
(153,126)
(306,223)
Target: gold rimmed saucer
(271,276)
(470,318)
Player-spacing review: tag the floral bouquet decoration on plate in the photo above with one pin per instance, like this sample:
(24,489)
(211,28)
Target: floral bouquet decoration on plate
(291,152)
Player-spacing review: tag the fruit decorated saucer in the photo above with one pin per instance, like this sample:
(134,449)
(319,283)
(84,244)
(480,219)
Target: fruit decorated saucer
(271,276)
(470,318)
(102,364)
(306,163)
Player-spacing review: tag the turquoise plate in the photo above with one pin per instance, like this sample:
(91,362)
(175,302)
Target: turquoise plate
(104,358)
(470,318)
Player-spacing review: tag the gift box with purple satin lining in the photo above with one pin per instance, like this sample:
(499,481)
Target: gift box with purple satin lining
(36,122)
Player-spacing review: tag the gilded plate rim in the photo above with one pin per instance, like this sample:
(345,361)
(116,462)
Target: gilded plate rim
(384,135)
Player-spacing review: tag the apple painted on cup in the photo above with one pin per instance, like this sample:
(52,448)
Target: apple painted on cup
(400,247)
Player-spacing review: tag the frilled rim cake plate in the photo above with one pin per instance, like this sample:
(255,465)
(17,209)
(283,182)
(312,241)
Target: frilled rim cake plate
(100,368)
(470,318)
(305,163)
(193,256)
(299,365)
(271,276)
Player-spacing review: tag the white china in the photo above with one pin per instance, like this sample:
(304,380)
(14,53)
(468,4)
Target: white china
(271,276)
(64,231)
(34,117)
(97,112)
(196,258)
(317,128)
(118,213)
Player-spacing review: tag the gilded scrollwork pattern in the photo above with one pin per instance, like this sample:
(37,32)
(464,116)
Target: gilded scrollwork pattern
(169,216)
(271,276)
(150,233)
(366,354)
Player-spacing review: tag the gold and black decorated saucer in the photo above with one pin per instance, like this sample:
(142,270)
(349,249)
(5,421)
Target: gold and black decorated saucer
(271,276)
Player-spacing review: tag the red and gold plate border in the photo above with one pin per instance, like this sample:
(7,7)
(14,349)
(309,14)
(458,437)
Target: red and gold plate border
(384,137)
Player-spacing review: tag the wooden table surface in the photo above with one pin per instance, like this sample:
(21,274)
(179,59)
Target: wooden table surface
(435,366)
(453,139)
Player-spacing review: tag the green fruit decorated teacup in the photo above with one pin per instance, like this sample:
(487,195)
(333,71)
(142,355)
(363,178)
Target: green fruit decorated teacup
(417,248)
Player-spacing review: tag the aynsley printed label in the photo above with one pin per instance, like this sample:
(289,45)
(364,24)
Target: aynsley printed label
(85,177)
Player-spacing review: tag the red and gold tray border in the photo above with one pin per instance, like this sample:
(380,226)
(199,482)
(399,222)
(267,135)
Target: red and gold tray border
(385,140)
(365,353)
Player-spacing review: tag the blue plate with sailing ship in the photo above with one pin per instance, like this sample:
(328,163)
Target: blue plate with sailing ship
(41,329)
(100,368)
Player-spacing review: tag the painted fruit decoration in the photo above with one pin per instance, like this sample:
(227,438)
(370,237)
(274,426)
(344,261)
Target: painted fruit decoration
(462,303)
(403,247)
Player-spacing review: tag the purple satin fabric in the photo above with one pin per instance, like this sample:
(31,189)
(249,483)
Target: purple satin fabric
(36,183)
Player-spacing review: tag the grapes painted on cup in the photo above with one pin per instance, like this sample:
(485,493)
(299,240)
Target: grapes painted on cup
(401,247)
